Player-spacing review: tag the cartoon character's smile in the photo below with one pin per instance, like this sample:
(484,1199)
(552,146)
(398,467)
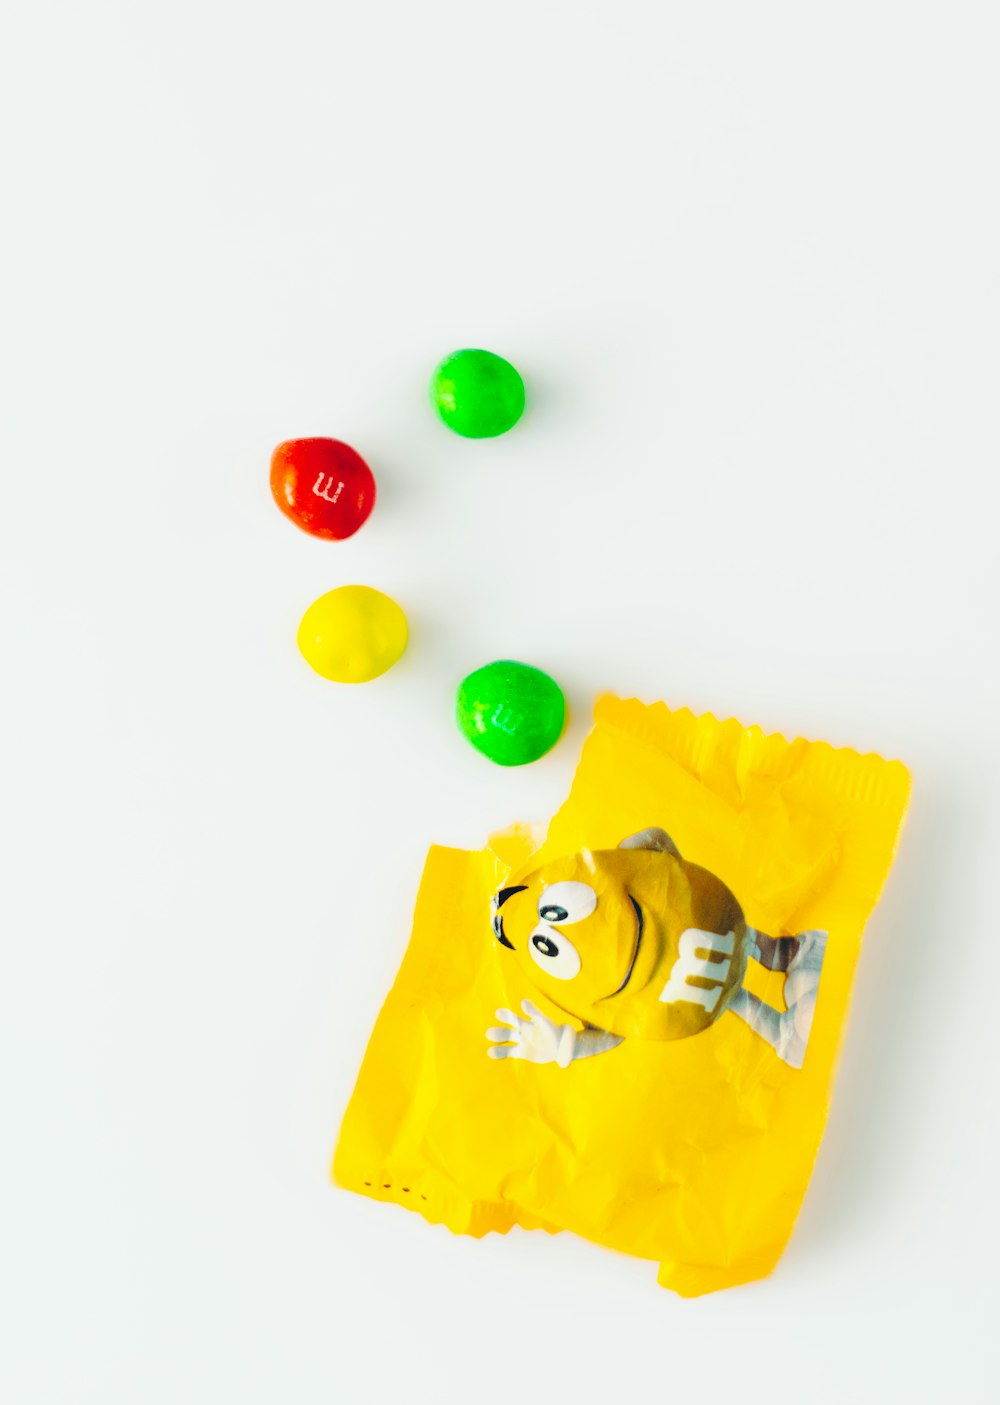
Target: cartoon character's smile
(635,942)
(639,922)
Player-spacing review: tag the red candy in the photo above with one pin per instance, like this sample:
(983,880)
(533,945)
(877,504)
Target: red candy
(323,486)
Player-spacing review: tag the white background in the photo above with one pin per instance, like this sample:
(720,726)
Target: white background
(745,256)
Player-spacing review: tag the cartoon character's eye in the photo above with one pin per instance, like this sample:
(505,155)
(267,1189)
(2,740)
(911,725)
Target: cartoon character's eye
(554,953)
(566,902)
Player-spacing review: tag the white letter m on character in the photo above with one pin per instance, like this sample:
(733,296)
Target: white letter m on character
(704,956)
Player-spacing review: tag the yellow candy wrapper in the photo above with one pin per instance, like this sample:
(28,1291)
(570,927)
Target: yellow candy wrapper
(629,1031)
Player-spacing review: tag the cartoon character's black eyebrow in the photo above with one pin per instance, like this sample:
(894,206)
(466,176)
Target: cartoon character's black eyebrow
(506,893)
(499,901)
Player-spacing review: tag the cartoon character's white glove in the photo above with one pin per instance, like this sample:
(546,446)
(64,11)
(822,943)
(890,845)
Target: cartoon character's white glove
(536,1038)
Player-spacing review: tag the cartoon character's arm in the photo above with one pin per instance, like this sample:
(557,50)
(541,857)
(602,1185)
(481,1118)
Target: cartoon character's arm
(540,1040)
(653,838)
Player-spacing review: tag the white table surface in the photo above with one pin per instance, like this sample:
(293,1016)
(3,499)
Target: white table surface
(746,259)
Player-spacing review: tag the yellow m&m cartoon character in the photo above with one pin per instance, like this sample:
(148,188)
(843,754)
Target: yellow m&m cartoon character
(637,943)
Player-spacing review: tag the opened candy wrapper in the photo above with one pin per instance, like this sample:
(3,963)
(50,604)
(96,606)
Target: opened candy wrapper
(640,1047)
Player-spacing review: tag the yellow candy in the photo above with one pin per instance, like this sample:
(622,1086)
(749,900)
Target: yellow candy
(352,634)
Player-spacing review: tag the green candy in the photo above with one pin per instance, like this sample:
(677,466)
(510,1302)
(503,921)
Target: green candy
(511,712)
(477,394)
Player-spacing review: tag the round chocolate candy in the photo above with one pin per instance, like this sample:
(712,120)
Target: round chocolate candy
(477,394)
(352,634)
(511,712)
(323,486)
